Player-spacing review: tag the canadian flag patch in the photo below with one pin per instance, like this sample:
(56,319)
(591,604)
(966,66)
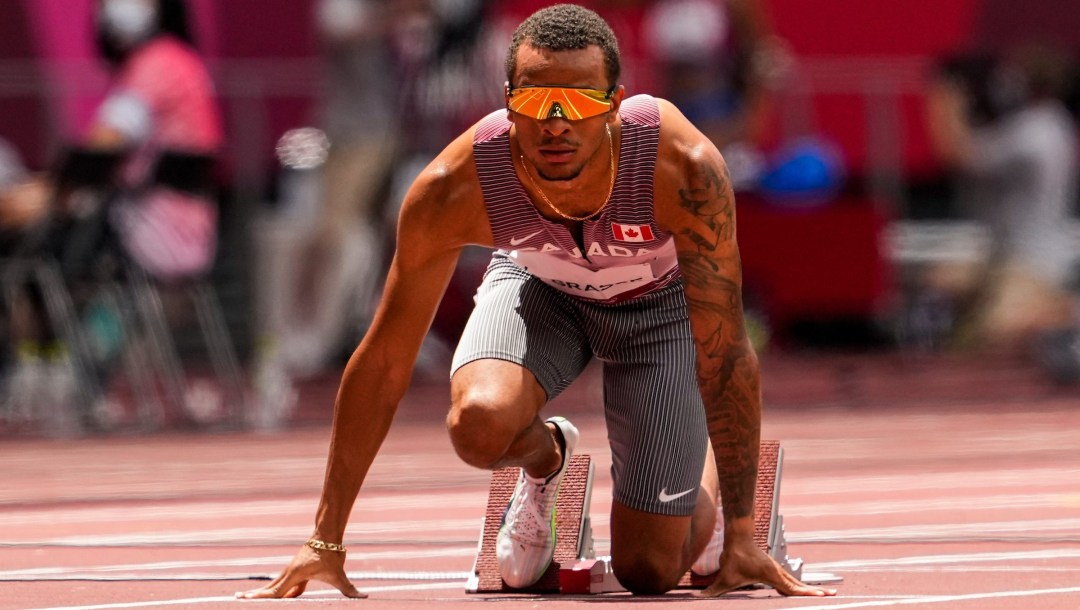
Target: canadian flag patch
(631,232)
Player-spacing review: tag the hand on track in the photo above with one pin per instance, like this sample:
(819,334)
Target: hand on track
(308,564)
(746,564)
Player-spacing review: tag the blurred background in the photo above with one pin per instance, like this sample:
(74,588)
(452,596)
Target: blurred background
(198,198)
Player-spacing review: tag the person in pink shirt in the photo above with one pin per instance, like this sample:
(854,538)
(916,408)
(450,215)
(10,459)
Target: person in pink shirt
(162,93)
(161,100)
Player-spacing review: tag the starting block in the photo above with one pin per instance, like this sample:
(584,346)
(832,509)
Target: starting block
(576,568)
(574,532)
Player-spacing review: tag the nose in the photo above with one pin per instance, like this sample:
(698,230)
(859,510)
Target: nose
(555,126)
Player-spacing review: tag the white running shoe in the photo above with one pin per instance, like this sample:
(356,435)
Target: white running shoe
(709,561)
(526,541)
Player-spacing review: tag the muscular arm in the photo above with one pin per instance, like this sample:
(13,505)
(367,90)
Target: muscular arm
(727,365)
(441,214)
(695,202)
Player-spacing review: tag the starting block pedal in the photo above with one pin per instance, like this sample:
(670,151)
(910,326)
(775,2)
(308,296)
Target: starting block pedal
(768,524)
(574,541)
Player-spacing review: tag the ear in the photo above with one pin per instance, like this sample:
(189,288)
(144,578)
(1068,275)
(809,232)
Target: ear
(506,97)
(616,102)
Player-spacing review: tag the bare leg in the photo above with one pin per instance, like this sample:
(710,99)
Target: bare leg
(494,418)
(649,552)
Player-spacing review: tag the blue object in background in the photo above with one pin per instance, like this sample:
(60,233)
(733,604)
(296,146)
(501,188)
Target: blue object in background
(808,172)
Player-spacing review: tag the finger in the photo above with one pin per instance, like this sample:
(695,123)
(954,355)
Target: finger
(261,592)
(791,586)
(296,591)
(342,583)
(798,589)
(281,587)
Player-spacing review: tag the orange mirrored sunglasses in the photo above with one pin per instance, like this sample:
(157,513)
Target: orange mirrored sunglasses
(571,103)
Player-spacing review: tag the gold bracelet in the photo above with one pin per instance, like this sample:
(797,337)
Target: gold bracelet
(325,546)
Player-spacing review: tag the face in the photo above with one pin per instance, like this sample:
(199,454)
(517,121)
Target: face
(560,148)
(127,21)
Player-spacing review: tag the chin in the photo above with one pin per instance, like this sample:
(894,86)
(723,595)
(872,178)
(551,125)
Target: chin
(561,174)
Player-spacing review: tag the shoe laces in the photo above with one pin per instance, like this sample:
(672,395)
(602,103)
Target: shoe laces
(532,516)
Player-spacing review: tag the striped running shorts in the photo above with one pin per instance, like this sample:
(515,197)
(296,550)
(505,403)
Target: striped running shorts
(652,405)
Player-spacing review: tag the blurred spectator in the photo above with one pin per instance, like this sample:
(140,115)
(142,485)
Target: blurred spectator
(999,123)
(717,60)
(340,239)
(160,101)
(22,199)
(321,248)
(403,77)
(16,212)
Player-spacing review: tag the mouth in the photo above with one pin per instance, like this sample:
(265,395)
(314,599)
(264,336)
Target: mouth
(557,155)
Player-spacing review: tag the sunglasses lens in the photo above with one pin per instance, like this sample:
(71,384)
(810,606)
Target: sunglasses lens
(559,102)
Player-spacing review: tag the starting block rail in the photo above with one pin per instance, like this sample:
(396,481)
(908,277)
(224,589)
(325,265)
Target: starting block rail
(575,567)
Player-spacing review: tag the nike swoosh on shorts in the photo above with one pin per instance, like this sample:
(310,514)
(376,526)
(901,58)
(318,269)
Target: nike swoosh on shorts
(665,498)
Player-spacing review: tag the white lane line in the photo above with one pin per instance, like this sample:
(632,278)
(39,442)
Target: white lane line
(301,508)
(942,599)
(906,481)
(361,529)
(232,598)
(147,604)
(911,562)
(469,528)
(931,560)
(967,569)
(967,503)
(457,576)
(939,531)
(276,561)
(903,601)
(131,513)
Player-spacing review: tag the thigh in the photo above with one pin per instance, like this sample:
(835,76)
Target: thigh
(655,416)
(520,320)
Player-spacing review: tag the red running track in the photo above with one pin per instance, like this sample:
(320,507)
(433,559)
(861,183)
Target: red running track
(928,484)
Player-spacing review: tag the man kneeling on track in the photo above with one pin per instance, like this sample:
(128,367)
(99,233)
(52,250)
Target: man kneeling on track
(613,223)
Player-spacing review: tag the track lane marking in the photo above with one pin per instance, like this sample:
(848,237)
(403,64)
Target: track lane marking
(941,599)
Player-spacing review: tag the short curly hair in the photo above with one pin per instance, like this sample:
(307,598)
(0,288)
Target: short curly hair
(565,27)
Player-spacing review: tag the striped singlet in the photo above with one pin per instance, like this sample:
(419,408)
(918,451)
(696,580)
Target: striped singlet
(626,254)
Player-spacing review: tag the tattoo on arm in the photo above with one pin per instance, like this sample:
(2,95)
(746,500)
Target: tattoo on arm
(727,366)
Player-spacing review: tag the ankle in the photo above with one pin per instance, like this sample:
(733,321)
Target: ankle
(545,471)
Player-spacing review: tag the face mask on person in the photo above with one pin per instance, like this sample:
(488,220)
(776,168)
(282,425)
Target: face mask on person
(127,22)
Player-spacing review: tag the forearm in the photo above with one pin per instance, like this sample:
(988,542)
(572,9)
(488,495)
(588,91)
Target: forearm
(366,402)
(730,384)
(727,367)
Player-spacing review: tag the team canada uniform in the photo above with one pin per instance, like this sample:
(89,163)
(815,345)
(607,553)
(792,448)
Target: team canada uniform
(551,304)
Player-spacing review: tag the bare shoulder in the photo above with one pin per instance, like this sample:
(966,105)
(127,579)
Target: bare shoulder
(444,207)
(692,181)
